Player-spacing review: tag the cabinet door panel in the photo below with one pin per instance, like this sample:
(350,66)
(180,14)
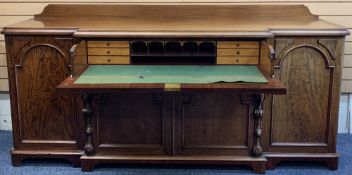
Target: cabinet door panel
(301,116)
(131,123)
(46,113)
(44,117)
(305,118)
(213,123)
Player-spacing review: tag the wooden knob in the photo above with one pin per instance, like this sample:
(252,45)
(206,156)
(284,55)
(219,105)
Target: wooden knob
(109,60)
(238,45)
(108,52)
(108,44)
(238,52)
(237,60)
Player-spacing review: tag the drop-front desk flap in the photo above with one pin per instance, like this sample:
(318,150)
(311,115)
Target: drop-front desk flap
(115,78)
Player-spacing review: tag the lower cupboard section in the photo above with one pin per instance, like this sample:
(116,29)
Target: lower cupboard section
(172,127)
(172,124)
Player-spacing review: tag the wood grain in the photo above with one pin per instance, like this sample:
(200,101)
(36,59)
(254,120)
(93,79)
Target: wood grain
(236,60)
(153,11)
(108,44)
(16,14)
(134,20)
(308,61)
(79,57)
(210,131)
(169,125)
(257,164)
(319,7)
(42,119)
(237,44)
(122,129)
(41,64)
(108,51)
(305,119)
(13,10)
(297,72)
(273,86)
(108,60)
(238,52)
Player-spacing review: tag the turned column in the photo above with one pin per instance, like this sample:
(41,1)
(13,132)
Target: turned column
(258,126)
(87,113)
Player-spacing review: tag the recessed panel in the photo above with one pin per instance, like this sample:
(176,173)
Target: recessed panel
(302,115)
(129,119)
(214,123)
(44,114)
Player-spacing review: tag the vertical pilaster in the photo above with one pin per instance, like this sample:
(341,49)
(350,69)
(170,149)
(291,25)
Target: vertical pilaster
(258,126)
(87,113)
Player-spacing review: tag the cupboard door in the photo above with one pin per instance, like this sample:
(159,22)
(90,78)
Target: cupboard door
(305,120)
(217,123)
(42,118)
(132,124)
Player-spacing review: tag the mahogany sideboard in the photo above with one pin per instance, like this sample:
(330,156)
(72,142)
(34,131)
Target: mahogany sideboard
(286,42)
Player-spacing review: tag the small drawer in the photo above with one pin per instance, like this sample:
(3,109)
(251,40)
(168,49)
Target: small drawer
(238,52)
(108,44)
(108,60)
(108,51)
(238,44)
(237,60)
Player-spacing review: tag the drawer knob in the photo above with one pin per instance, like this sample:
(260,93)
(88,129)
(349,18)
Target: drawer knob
(237,60)
(108,52)
(109,60)
(108,44)
(238,45)
(238,52)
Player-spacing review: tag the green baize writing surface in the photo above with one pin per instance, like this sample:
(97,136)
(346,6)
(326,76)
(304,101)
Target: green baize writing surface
(178,74)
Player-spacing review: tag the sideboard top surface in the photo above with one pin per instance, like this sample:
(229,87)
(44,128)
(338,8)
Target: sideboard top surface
(176,20)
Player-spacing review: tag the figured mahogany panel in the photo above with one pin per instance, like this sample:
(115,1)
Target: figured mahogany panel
(213,123)
(130,123)
(44,117)
(303,112)
(305,116)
